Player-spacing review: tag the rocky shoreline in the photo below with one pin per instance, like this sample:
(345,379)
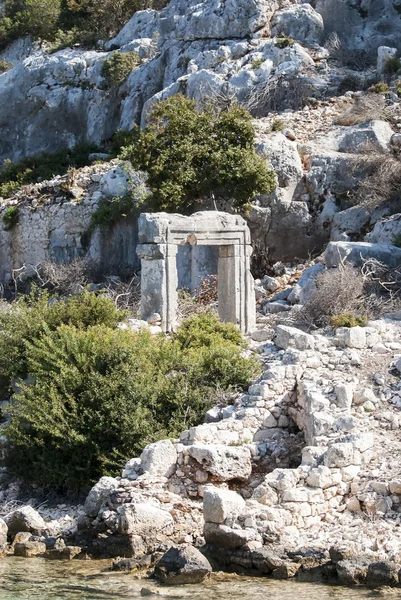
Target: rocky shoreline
(299,478)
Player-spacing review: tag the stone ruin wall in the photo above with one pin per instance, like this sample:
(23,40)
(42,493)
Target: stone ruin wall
(54,232)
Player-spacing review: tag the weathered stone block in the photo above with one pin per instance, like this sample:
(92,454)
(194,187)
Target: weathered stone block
(220,504)
(144,520)
(223,462)
(159,459)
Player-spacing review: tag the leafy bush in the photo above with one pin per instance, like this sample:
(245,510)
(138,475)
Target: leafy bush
(379,88)
(348,320)
(205,329)
(284,42)
(109,212)
(258,62)
(99,395)
(191,155)
(278,125)
(68,22)
(42,166)
(10,217)
(4,66)
(118,66)
(25,320)
(102,19)
(392,66)
(29,17)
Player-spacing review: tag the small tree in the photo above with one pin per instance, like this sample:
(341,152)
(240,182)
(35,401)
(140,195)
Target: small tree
(105,18)
(190,155)
(29,17)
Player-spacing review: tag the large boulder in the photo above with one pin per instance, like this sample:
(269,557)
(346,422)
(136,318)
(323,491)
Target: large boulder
(291,337)
(223,462)
(337,253)
(283,156)
(159,459)
(29,549)
(182,564)
(144,520)
(352,571)
(300,22)
(226,537)
(25,518)
(382,573)
(305,287)
(99,495)
(386,231)
(349,221)
(372,135)
(220,504)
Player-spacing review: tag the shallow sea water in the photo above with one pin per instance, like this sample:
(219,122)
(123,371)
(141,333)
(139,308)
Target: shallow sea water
(38,579)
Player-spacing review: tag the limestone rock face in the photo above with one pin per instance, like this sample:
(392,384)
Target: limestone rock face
(306,285)
(362,26)
(25,518)
(223,462)
(220,504)
(182,565)
(99,495)
(300,22)
(188,47)
(144,520)
(159,459)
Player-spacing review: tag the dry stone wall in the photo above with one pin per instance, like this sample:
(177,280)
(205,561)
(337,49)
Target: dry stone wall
(236,466)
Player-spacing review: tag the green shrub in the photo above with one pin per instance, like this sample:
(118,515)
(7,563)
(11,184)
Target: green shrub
(397,240)
(118,66)
(392,66)
(204,329)
(10,217)
(25,320)
(278,125)
(348,320)
(29,17)
(284,42)
(5,66)
(191,155)
(43,166)
(379,88)
(68,22)
(99,395)
(258,62)
(110,211)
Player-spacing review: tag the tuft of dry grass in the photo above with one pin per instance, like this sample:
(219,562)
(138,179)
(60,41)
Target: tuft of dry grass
(362,294)
(381,183)
(368,107)
(338,291)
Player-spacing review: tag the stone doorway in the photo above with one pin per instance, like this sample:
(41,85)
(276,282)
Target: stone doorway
(160,235)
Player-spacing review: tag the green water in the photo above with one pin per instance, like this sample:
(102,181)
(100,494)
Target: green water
(37,579)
